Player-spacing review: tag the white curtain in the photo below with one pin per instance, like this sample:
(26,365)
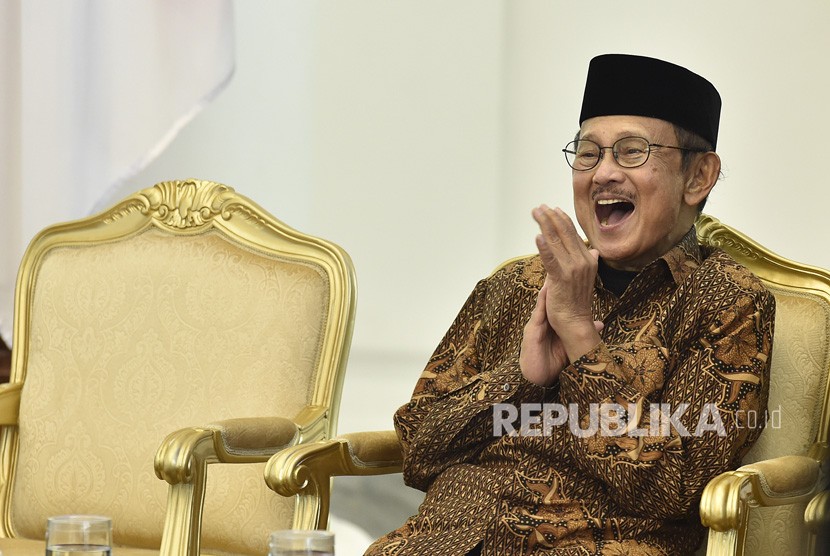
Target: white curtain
(91,92)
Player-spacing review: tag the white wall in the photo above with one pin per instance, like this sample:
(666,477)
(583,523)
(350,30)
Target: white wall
(418,134)
(767,59)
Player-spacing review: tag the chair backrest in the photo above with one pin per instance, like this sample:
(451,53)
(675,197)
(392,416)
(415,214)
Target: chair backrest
(184,304)
(799,398)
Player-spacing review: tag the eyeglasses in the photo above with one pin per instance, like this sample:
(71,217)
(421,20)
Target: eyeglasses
(629,152)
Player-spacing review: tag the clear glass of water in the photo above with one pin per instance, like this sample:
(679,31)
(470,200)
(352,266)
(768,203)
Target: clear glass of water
(78,535)
(301,543)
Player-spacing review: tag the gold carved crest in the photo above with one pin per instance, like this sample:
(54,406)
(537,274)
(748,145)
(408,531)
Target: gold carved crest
(187,204)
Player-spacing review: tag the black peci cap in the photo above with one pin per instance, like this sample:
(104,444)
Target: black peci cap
(623,84)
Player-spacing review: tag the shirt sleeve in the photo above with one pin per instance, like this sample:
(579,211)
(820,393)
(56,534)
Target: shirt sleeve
(655,425)
(449,418)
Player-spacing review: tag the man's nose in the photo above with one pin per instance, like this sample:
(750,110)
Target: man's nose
(607,168)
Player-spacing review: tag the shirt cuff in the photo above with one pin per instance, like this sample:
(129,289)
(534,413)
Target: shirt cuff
(506,383)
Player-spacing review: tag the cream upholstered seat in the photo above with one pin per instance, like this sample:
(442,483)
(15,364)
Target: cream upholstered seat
(183,327)
(757,510)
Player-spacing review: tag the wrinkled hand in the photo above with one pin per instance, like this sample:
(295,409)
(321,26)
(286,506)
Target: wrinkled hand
(561,327)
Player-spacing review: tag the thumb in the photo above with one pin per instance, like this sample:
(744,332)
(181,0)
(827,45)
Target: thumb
(599,325)
(594,253)
(539,314)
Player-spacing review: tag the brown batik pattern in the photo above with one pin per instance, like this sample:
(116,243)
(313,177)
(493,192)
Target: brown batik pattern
(694,328)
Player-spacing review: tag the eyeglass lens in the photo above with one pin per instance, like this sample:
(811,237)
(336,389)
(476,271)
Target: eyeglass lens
(628,152)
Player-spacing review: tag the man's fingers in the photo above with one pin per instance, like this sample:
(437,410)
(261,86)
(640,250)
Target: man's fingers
(537,327)
(560,232)
(548,242)
(539,315)
(566,231)
(542,217)
(549,260)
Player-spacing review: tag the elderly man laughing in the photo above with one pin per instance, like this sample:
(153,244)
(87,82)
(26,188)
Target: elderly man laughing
(664,342)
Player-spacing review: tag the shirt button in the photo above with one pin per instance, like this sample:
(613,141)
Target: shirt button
(505,387)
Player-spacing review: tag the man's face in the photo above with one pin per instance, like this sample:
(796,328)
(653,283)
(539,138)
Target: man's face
(632,215)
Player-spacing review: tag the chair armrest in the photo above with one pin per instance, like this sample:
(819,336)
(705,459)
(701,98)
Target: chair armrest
(306,469)
(245,440)
(237,440)
(784,480)
(363,453)
(374,453)
(773,482)
(727,499)
(185,452)
(184,455)
(10,402)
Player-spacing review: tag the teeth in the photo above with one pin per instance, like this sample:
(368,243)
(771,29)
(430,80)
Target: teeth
(607,202)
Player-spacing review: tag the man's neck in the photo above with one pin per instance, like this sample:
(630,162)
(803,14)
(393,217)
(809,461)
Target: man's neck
(615,281)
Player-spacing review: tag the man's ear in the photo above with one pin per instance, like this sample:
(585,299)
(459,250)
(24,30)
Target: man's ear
(703,175)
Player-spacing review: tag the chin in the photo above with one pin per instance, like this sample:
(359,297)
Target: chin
(618,257)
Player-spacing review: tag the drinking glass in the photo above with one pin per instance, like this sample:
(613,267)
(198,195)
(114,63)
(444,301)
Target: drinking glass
(301,543)
(78,535)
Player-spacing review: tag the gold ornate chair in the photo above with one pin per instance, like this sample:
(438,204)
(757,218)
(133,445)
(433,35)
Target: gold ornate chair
(188,317)
(758,509)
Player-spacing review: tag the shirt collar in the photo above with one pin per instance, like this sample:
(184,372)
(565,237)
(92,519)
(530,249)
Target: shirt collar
(682,259)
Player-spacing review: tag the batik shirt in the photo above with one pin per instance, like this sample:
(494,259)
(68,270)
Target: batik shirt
(677,390)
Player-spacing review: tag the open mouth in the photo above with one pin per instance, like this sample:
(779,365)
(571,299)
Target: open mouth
(611,212)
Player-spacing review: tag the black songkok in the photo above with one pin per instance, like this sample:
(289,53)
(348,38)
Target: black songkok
(623,84)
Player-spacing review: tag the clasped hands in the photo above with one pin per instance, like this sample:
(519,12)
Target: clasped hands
(561,327)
